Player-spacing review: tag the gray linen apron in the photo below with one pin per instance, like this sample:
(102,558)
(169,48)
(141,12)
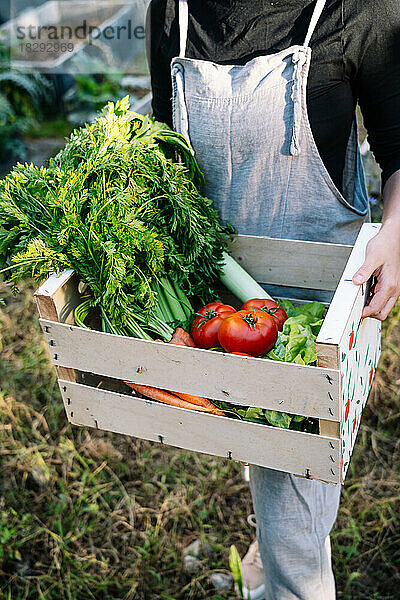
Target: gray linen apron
(249,129)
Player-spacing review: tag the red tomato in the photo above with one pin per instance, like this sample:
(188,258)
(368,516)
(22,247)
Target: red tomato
(206,324)
(270,307)
(253,332)
(241,354)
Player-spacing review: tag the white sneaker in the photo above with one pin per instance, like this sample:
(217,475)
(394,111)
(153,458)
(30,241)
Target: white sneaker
(252,571)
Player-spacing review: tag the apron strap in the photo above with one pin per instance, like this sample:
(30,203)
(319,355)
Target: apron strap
(183,17)
(319,7)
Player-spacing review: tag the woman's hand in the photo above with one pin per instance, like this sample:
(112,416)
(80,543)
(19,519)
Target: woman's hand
(382,260)
(383,255)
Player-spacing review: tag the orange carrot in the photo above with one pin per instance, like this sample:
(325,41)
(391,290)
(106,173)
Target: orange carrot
(182,338)
(200,401)
(197,400)
(166,397)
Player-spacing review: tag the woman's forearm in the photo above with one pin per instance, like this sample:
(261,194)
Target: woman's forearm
(383,255)
(391,200)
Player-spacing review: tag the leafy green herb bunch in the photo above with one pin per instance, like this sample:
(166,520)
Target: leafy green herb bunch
(120,204)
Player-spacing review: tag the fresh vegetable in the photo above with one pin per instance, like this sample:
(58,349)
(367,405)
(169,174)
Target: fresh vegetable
(269,306)
(119,205)
(253,332)
(207,322)
(238,281)
(268,417)
(170,398)
(296,341)
(314,310)
(199,401)
(182,338)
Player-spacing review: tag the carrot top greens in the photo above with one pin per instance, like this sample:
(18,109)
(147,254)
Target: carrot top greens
(120,204)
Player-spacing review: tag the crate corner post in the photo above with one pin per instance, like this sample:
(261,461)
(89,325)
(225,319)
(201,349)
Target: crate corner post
(328,357)
(56,300)
(359,350)
(357,344)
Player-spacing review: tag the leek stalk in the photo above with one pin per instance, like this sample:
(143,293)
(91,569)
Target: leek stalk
(239,282)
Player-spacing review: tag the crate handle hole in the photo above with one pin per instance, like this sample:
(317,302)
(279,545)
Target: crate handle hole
(68,400)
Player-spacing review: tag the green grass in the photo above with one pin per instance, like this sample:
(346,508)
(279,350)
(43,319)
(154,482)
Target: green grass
(86,514)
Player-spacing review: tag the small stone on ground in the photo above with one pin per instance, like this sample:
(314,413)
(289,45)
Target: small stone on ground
(198,548)
(221,581)
(191,564)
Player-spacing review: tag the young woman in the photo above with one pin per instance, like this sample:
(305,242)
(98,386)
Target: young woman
(266,93)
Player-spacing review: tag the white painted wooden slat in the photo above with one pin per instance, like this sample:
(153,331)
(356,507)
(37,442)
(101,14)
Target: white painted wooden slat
(298,389)
(284,450)
(347,292)
(310,265)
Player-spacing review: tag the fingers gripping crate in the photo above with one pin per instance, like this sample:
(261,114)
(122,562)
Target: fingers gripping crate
(335,391)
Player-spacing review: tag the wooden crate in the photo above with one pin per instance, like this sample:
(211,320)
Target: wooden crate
(335,391)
